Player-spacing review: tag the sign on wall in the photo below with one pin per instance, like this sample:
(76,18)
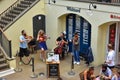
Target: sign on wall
(112,32)
(85,39)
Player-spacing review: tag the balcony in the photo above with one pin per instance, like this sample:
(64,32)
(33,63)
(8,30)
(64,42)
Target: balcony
(106,2)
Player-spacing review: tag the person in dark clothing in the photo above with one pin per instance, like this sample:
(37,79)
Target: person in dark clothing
(61,41)
(89,56)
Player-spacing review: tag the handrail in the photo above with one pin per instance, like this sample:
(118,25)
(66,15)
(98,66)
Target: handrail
(5,44)
(4,34)
(6,56)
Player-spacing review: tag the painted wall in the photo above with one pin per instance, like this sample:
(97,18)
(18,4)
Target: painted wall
(4,4)
(25,22)
(99,21)
(56,22)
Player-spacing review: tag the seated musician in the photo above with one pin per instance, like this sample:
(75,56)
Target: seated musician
(61,41)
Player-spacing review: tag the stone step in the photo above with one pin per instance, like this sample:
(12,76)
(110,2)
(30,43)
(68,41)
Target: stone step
(3,23)
(14,12)
(10,15)
(22,5)
(2,60)
(7,72)
(18,9)
(1,26)
(6,18)
(4,66)
(26,2)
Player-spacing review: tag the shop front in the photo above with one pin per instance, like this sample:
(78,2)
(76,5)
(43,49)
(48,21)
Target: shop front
(114,39)
(94,30)
(76,23)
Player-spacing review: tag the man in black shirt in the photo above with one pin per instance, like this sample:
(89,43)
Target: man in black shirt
(61,41)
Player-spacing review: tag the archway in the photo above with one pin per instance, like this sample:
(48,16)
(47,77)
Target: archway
(72,23)
(109,33)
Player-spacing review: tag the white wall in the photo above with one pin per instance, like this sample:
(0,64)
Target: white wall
(100,16)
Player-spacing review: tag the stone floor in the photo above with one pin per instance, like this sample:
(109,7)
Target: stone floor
(40,67)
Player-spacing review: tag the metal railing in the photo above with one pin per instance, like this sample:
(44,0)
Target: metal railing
(5,44)
(9,8)
(19,15)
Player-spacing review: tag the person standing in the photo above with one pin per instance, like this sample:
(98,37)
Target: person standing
(110,60)
(76,49)
(61,41)
(24,45)
(42,44)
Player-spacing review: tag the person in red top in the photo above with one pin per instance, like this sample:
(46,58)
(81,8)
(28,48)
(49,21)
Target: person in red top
(42,43)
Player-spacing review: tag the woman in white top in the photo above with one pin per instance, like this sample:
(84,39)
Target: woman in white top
(110,57)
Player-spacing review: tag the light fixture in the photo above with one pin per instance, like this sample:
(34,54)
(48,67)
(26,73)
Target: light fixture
(39,17)
(93,5)
(89,11)
(54,1)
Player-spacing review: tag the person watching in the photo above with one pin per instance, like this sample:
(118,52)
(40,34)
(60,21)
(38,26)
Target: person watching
(110,60)
(88,74)
(105,72)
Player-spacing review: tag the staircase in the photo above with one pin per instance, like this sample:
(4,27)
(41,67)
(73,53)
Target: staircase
(15,11)
(4,66)
(3,63)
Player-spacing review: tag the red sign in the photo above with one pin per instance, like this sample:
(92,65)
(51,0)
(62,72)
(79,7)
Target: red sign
(112,32)
(114,16)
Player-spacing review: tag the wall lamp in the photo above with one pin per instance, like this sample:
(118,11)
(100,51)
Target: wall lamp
(54,1)
(93,5)
(89,11)
(49,1)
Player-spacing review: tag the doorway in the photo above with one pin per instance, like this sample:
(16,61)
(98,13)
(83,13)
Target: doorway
(114,38)
(76,23)
(38,23)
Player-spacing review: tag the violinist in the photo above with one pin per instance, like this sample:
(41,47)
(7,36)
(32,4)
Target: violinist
(61,41)
(41,38)
(24,45)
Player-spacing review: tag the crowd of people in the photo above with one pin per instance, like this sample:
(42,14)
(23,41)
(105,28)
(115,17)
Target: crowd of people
(107,72)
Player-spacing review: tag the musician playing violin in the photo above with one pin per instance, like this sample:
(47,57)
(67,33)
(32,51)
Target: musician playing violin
(41,38)
(61,41)
(24,45)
